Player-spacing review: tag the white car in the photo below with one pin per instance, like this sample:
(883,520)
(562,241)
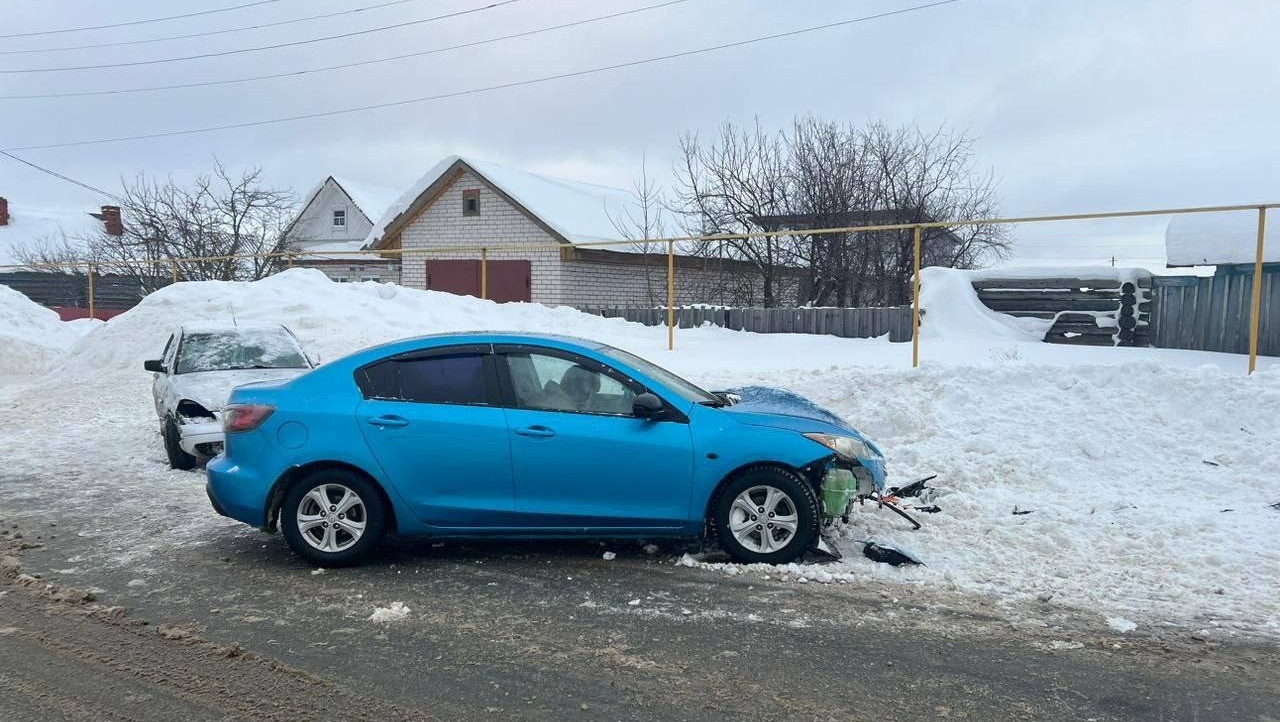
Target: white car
(200,366)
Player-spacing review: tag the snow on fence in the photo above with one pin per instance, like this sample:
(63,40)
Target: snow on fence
(1107,309)
(1211,313)
(843,322)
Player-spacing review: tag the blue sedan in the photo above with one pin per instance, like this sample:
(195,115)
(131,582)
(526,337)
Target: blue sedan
(518,435)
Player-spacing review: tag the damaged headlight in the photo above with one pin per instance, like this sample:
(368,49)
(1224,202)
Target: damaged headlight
(846,447)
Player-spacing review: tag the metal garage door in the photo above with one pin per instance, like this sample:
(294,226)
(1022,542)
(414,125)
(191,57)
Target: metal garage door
(508,280)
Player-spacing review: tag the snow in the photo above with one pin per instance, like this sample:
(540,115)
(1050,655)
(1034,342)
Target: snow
(580,212)
(396,612)
(31,336)
(32,227)
(1149,473)
(1201,239)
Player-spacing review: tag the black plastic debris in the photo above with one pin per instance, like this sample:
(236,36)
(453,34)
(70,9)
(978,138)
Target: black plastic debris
(888,555)
(1020,512)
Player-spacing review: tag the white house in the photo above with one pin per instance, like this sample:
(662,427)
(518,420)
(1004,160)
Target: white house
(439,227)
(329,229)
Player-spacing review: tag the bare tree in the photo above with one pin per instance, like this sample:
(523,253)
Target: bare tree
(821,174)
(234,220)
(643,223)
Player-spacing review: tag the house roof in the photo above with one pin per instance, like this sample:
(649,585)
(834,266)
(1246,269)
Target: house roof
(572,211)
(1210,239)
(29,227)
(311,196)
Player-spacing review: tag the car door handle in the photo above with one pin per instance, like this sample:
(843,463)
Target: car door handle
(389,421)
(539,432)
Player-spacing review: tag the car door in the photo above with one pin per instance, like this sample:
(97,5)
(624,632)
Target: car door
(433,421)
(160,384)
(580,459)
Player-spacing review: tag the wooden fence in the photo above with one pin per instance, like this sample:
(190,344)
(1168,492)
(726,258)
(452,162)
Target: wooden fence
(1101,310)
(1211,313)
(844,322)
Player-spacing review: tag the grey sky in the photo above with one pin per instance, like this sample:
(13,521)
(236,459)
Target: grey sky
(1079,105)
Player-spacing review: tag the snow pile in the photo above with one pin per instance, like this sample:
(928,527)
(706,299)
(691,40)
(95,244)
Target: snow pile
(397,612)
(32,336)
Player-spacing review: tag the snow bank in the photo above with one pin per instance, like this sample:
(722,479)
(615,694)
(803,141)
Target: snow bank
(32,337)
(952,311)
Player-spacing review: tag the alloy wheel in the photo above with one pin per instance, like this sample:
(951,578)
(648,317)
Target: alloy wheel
(331,518)
(763,519)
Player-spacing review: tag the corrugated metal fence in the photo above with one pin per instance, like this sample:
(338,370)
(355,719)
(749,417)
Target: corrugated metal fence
(1211,313)
(844,322)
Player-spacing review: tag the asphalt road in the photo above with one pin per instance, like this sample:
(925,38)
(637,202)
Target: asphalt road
(554,632)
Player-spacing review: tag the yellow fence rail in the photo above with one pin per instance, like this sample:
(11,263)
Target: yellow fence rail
(290,257)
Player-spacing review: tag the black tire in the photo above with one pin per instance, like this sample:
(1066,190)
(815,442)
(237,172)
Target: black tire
(178,459)
(298,499)
(799,496)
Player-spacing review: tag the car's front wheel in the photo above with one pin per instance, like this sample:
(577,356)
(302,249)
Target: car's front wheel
(178,459)
(333,518)
(767,515)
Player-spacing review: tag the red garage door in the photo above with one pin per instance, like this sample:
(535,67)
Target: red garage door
(508,280)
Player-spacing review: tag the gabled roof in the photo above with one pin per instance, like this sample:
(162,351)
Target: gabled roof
(31,226)
(571,211)
(314,193)
(1210,239)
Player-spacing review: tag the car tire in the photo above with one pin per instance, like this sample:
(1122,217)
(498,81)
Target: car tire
(178,459)
(757,498)
(341,532)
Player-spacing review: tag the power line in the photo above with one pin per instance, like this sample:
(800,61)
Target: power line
(60,176)
(327,68)
(259,26)
(291,44)
(138,22)
(490,88)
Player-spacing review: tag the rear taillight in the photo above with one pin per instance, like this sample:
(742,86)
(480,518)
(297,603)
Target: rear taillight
(244,417)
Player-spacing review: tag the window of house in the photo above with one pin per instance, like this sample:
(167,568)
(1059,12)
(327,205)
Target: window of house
(369,278)
(471,202)
(340,218)
(452,379)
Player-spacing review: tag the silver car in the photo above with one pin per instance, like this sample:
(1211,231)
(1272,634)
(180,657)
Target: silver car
(200,366)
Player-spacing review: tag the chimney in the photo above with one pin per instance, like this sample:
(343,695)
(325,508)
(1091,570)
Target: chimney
(4,211)
(110,216)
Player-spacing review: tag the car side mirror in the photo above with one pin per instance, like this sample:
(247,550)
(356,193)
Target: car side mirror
(155,366)
(647,406)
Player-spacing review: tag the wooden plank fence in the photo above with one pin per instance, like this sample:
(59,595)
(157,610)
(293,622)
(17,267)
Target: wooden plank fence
(843,322)
(1211,313)
(1089,311)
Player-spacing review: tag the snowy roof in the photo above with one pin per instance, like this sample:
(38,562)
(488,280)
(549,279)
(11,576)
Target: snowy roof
(29,227)
(1205,239)
(577,212)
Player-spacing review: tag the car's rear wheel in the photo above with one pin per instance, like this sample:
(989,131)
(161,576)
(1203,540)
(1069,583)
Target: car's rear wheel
(333,518)
(766,515)
(178,459)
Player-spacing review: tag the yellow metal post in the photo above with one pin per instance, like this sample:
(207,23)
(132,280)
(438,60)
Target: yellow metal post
(915,304)
(1255,313)
(484,273)
(671,295)
(173,267)
(91,309)
(290,257)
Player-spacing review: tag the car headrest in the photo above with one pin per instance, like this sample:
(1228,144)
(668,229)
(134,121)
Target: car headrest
(580,383)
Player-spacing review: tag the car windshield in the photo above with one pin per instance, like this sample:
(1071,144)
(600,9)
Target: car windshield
(683,388)
(239,349)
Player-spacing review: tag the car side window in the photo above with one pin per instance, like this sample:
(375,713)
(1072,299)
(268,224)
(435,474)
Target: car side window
(553,383)
(170,351)
(443,379)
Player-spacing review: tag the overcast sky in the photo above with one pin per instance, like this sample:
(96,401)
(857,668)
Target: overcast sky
(1077,105)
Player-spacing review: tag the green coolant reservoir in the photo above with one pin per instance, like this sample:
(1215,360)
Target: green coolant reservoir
(838,489)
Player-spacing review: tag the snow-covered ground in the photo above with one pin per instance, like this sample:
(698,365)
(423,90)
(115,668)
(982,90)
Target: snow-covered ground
(1149,474)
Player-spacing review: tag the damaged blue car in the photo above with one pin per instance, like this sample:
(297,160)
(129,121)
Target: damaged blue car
(521,435)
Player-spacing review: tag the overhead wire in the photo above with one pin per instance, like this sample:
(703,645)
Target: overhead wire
(259,48)
(127,23)
(60,176)
(491,88)
(208,33)
(342,66)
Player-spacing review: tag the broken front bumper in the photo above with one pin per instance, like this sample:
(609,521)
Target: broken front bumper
(199,438)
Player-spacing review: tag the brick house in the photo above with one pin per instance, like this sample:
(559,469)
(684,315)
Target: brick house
(328,231)
(462,206)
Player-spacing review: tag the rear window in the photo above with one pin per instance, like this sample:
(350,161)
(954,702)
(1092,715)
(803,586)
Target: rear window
(455,379)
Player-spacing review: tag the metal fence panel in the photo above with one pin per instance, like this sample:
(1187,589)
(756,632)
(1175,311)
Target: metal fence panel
(844,322)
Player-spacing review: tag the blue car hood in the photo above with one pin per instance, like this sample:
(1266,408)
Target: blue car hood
(765,406)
